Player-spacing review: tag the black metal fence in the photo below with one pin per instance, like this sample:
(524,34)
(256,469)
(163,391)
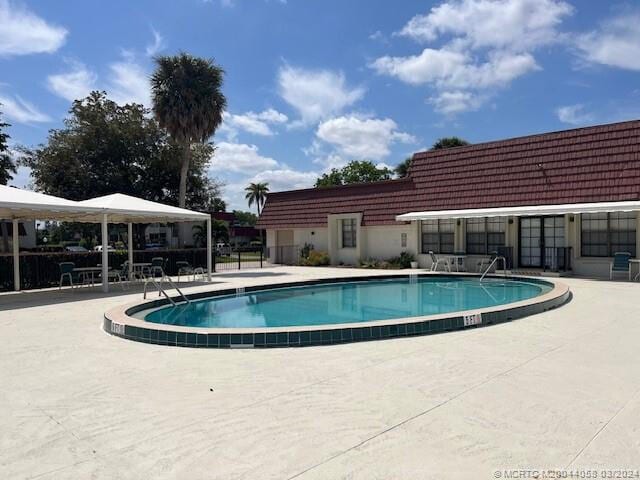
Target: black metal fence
(42,270)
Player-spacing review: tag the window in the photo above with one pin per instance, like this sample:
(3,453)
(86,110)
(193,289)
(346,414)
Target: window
(485,235)
(349,233)
(604,234)
(437,236)
(403,240)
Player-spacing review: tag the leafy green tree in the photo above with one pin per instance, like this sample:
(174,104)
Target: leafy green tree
(218,205)
(106,148)
(257,193)
(448,142)
(188,103)
(7,167)
(402,169)
(246,218)
(354,172)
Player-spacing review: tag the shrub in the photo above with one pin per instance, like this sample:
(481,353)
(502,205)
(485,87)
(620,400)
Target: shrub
(369,263)
(403,261)
(316,258)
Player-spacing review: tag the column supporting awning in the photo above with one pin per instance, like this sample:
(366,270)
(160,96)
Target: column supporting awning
(523,211)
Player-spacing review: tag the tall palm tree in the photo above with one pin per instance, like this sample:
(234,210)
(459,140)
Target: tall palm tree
(188,103)
(257,193)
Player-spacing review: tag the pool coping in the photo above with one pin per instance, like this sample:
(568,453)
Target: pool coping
(119,322)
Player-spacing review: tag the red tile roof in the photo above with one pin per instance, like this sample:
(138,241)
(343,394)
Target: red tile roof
(591,164)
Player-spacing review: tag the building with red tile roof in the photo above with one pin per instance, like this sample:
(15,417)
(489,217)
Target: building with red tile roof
(520,180)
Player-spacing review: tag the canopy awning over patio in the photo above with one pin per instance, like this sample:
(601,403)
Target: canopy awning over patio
(127,209)
(524,211)
(17,204)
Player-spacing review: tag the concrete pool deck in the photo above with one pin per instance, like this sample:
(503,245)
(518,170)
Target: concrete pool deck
(556,390)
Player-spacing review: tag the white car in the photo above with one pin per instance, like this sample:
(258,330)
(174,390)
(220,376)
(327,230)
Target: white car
(98,248)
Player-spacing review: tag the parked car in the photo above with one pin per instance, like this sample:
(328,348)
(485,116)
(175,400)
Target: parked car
(223,249)
(153,246)
(98,248)
(75,249)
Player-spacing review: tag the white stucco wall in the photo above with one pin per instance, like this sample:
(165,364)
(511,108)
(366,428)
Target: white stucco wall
(314,236)
(384,242)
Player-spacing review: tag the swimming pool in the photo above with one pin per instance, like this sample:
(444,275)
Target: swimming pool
(347,302)
(337,310)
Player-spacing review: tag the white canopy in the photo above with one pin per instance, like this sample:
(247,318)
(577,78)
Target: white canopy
(21,204)
(125,208)
(524,211)
(28,205)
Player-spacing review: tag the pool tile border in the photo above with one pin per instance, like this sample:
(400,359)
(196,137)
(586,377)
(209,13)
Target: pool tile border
(120,323)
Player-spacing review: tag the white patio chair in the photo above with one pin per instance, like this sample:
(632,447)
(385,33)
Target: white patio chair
(435,261)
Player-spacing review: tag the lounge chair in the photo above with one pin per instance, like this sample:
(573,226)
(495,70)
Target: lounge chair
(620,264)
(435,261)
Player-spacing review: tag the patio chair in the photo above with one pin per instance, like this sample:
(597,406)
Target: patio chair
(66,271)
(157,266)
(185,268)
(620,264)
(435,261)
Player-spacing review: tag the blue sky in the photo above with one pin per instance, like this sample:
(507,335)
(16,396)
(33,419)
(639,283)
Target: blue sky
(313,84)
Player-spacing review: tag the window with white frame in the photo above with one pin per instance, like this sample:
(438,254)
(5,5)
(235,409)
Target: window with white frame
(485,235)
(349,233)
(437,236)
(603,234)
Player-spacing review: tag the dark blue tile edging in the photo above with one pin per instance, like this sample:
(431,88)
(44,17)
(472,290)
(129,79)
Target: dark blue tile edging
(331,336)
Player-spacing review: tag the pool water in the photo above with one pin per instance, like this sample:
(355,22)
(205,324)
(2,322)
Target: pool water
(349,302)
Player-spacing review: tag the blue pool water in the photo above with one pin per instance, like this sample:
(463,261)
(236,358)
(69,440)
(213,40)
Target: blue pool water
(352,302)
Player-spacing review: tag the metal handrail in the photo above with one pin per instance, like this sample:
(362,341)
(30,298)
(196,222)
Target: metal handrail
(495,260)
(161,290)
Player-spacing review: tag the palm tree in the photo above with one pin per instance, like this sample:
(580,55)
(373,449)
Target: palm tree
(188,103)
(257,193)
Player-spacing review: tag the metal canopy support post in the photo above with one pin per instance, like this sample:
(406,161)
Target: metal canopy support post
(105,254)
(130,249)
(16,256)
(209,249)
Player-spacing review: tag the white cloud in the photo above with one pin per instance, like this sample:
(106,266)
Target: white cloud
(361,138)
(484,46)
(616,43)
(451,103)
(251,122)
(453,69)
(157,45)
(239,157)
(75,84)
(285,178)
(574,114)
(239,164)
(23,32)
(129,83)
(21,111)
(497,24)
(316,94)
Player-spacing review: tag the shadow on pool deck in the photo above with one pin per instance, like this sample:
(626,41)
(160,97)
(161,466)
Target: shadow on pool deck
(54,296)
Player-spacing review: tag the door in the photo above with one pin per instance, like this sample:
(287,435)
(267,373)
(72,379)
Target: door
(553,241)
(285,250)
(540,239)
(531,242)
